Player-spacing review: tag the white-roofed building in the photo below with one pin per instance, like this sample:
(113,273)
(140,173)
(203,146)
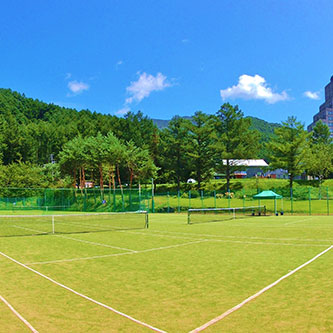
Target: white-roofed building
(247,168)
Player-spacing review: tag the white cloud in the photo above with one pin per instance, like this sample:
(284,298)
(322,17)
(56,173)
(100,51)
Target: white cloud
(253,87)
(77,87)
(145,85)
(142,88)
(120,62)
(311,95)
(123,111)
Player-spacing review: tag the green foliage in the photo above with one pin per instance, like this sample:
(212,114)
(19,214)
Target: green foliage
(173,149)
(199,149)
(24,175)
(289,148)
(232,139)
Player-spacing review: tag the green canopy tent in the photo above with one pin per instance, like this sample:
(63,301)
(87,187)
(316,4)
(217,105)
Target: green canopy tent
(269,195)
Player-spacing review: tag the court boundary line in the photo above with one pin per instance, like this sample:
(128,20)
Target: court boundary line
(247,300)
(169,247)
(18,315)
(241,237)
(116,254)
(84,296)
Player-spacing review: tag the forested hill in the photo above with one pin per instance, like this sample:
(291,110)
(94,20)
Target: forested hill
(31,130)
(264,127)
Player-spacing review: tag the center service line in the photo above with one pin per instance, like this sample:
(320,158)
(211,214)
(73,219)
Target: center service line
(84,296)
(235,308)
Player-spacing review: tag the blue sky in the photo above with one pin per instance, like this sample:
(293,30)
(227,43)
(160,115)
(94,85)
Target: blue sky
(168,57)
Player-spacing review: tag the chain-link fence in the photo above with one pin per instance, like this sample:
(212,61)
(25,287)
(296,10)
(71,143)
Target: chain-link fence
(303,200)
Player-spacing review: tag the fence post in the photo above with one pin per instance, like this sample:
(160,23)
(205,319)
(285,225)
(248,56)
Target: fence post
(189,199)
(202,203)
(114,201)
(168,202)
(309,200)
(243,192)
(291,201)
(178,198)
(214,198)
(140,197)
(110,207)
(328,201)
(152,196)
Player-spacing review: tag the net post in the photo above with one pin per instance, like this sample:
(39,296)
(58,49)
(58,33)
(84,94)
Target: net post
(188,217)
(147,220)
(53,231)
(234,213)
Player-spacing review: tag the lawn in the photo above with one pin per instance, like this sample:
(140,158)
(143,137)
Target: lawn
(172,276)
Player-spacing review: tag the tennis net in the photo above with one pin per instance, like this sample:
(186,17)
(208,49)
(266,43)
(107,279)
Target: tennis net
(27,225)
(206,215)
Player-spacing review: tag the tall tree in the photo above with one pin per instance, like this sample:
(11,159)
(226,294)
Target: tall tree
(139,163)
(111,144)
(289,148)
(73,159)
(233,140)
(319,161)
(174,145)
(320,134)
(95,152)
(199,150)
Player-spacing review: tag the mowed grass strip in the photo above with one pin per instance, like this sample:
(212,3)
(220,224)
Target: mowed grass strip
(175,289)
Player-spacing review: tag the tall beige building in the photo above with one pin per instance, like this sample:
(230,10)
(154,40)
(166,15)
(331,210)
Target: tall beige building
(325,113)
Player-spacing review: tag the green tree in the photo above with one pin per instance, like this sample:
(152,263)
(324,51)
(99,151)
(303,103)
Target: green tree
(320,134)
(199,149)
(73,159)
(139,163)
(95,152)
(289,148)
(174,145)
(319,161)
(233,140)
(111,144)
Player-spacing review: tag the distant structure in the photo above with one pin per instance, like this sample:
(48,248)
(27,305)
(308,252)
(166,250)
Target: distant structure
(325,113)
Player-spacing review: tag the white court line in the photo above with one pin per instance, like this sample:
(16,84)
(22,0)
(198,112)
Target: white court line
(29,229)
(32,329)
(84,296)
(158,235)
(244,237)
(116,254)
(267,243)
(97,244)
(298,221)
(239,241)
(235,308)
(78,240)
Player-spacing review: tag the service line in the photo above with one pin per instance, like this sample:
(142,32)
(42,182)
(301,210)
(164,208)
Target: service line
(237,307)
(32,329)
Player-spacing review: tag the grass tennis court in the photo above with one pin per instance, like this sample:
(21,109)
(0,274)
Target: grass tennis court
(173,276)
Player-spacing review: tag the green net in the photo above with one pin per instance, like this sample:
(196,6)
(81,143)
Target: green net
(207,215)
(27,225)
